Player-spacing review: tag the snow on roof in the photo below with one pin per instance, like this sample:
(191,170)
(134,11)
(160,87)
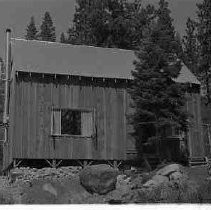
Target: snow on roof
(57,58)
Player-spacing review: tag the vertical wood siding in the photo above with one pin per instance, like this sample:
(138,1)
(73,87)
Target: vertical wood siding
(195,140)
(30,121)
(32,125)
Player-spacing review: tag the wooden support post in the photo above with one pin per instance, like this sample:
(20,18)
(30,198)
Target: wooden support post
(50,164)
(115,164)
(58,163)
(80,163)
(85,163)
(16,163)
(109,163)
(53,163)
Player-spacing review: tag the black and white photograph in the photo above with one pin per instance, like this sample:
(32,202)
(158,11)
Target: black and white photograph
(105,102)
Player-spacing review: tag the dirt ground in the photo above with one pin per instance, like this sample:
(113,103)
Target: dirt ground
(67,190)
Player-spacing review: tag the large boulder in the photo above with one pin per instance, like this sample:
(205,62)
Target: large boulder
(160,179)
(177,176)
(169,169)
(150,183)
(156,181)
(99,179)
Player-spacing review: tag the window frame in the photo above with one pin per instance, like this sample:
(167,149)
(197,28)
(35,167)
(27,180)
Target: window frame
(93,112)
(176,132)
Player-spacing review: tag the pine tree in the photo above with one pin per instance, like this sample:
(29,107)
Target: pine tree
(204,39)
(90,23)
(179,47)
(31,30)
(72,36)
(109,23)
(191,53)
(62,38)
(164,33)
(157,99)
(47,28)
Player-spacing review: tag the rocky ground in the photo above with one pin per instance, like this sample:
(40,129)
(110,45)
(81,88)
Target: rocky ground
(172,183)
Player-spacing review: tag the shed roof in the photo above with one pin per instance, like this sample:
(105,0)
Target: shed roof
(56,58)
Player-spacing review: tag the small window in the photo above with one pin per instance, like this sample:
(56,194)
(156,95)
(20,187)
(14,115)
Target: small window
(72,122)
(177,132)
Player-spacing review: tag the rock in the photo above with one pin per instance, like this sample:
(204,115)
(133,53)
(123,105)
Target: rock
(156,181)
(150,183)
(49,188)
(123,186)
(133,169)
(178,176)
(15,174)
(122,180)
(175,176)
(160,179)
(167,170)
(137,182)
(99,179)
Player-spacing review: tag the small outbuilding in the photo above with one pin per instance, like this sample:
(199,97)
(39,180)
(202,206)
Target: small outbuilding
(70,103)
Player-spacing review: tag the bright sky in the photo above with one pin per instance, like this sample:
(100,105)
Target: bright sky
(15,14)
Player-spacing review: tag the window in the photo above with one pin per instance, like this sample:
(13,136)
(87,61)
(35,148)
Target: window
(72,122)
(177,132)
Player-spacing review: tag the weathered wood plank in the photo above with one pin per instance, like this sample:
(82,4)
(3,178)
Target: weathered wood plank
(16,134)
(69,96)
(108,116)
(114,118)
(30,119)
(120,141)
(125,124)
(56,104)
(25,120)
(98,97)
(50,140)
(41,126)
(110,121)
(47,119)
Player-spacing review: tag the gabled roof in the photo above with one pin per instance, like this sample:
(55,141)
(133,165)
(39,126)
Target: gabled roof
(57,58)
(186,76)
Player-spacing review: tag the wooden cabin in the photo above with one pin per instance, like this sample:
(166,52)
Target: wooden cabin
(70,102)
(193,139)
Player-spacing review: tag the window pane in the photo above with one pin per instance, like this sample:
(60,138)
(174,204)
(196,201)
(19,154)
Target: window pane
(71,122)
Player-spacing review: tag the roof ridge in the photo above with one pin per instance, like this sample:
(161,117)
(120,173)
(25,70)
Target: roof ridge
(74,45)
